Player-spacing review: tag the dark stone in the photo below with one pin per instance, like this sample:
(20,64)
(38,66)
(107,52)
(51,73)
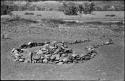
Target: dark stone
(24,46)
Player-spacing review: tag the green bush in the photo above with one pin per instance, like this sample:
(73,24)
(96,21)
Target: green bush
(98,9)
(69,9)
(6,9)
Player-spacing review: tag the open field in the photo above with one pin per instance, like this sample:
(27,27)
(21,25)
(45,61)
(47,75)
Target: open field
(31,23)
(107,65)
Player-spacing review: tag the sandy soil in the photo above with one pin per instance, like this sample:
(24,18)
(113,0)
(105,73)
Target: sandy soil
(107,65)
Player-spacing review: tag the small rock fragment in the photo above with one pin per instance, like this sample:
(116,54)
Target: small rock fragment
(60,63)
(45,61)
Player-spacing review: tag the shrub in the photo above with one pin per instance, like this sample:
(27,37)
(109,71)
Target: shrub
(106,7)
(98,9)
(6,9)
(69,9)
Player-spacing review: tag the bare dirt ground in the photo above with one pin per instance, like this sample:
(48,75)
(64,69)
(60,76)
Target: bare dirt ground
(107,65)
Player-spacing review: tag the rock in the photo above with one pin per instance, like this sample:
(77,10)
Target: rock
(109,41)
(87,57)
(29,43)
(16,55)
(53,57)
(42,56)
(93,55)
(53,43)
(47,56)
(57,51)
(39,51)
(51,52)
(27,61)
(24,46)
(96,46)
(13,50)
(46,46)
(21,60)
(60,44)
(51,47)
(40,44)
(57,57)
(50,62)
(44,50)
(68,50)
(70,59)
(74,55)
(64,55)
(20,50)
(45,60)
(60,63)
(56,61)
(65,60)
(32,44)
(81,55)
(5,36)
(35,57)
(16,60)
(47,42)
(78,57)
(90,49)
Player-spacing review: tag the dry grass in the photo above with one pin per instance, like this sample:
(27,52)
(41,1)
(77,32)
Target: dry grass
(109,60)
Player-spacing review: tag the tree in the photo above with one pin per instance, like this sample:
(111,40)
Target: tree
(70,9)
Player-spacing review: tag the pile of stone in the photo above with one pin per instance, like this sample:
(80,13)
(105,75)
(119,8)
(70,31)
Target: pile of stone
(50,52)
(107,42)
(79,41)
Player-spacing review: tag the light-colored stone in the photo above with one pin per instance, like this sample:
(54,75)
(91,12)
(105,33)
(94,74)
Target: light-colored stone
(60,63)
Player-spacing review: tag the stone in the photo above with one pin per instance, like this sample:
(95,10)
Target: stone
(29,43)
(5,36)
(47,56)
(93,55)
(53,57)
(52,52)
(53,43)
(60,63)
(57,57)
(39,52)
(65,60)
(27,61)
(64,55)
(56,61)
(74,55)
(45,60)
(81,55)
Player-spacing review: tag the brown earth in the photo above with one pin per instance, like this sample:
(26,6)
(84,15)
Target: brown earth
(108,64)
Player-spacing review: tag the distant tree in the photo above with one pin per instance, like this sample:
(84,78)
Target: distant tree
(81,8)
(6,9)
(69,9)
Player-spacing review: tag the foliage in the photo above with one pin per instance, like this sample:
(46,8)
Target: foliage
(6,9)
(69,9)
